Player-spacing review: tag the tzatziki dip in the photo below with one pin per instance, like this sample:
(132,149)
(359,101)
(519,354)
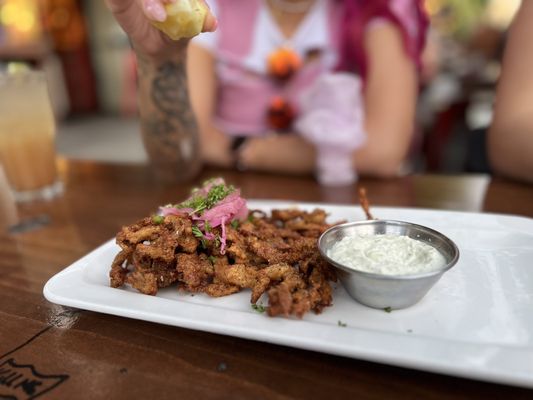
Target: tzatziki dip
(386,254)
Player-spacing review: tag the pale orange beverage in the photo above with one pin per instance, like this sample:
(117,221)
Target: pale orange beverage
(27,135)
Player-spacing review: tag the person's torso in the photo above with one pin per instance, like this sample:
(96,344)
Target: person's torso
(248,36)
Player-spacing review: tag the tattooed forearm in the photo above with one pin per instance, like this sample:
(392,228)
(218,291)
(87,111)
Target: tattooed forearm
(169,127)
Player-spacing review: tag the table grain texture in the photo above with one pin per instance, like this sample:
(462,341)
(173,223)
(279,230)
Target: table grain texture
(50,351)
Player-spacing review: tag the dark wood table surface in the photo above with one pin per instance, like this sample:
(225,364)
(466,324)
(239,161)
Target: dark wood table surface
(66,353)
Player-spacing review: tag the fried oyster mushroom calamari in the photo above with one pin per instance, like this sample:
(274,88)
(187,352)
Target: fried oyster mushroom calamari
(213,244)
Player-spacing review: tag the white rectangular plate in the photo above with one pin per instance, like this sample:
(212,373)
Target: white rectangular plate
(476,322)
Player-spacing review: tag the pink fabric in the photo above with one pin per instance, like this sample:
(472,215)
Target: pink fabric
(408,15)
(333,120)
(237,20)
(245,96)
(334,104)
(243,99)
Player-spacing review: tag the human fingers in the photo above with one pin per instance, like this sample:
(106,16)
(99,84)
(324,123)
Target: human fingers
(172,20)
(154,9)
(210,22)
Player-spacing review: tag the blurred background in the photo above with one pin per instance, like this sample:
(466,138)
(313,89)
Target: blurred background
(91,72)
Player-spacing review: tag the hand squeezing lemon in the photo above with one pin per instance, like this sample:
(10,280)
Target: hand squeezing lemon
(185,19)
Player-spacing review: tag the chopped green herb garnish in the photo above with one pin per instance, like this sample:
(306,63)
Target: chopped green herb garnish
(387,309)
(207,227)
(158,219)
(199,203)
(259,308)
(218,193)
(197,232)
(343,324)
(235,224)
(212,259)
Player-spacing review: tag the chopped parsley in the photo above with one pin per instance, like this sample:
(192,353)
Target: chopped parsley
(212,259)
(342,324)
(217,193)
(259,308)
(213,196)
(197,232)
(158,219)
(235,224)
(200,202)
(387,309)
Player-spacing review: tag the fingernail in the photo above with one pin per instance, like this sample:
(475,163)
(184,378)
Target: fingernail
(155,10)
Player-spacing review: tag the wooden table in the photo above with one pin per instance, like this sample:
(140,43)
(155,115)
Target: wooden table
(86,355)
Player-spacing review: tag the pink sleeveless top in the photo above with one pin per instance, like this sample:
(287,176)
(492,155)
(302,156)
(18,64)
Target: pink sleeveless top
(247,34)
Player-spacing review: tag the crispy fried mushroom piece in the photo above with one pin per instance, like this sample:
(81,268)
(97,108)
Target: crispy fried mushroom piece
(276,255)
(144,282)
(237,274)
(280,301)
(118,272)
(220,289)
(195,272)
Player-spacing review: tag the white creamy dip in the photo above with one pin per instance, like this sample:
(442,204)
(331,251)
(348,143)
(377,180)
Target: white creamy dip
(386,254)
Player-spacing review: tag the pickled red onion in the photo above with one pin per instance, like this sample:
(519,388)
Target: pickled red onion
(230,208)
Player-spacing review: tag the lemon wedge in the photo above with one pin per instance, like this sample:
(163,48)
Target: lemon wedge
(185,19)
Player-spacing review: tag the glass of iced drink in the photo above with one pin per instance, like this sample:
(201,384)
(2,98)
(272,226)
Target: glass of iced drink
(27,136)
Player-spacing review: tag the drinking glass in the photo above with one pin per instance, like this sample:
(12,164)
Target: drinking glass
(27,136)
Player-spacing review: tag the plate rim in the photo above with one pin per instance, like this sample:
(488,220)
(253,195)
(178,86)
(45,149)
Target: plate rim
(58,290)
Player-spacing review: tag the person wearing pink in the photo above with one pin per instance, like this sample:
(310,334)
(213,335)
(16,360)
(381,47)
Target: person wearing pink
(280,82)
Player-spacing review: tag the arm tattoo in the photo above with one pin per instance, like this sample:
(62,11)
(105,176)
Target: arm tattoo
(170,130)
